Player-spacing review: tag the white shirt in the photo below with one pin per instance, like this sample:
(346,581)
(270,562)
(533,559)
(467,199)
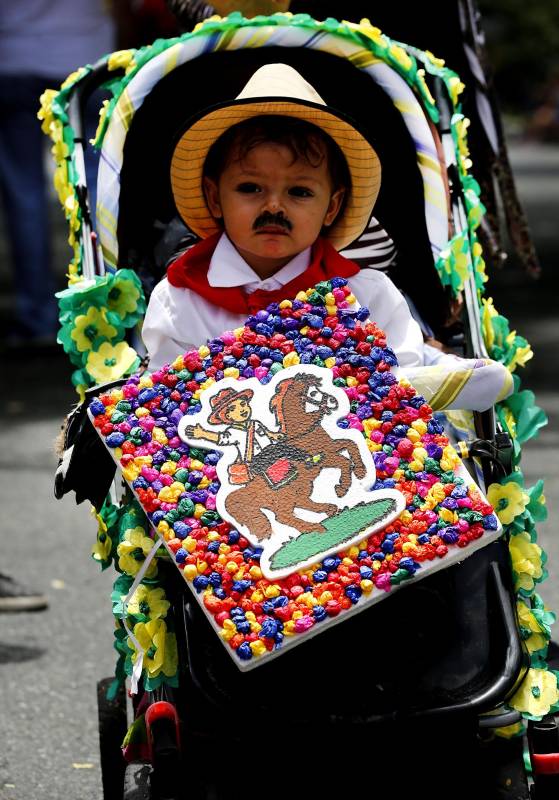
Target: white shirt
(178,319)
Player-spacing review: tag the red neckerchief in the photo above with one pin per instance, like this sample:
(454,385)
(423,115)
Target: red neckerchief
(190,271)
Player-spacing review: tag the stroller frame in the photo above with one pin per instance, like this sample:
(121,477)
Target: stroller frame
(509,663)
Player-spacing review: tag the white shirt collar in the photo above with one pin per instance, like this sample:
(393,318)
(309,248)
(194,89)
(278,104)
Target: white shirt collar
(228,268)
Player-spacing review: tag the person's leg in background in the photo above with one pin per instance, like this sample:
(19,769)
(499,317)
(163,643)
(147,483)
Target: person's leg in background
(25,201)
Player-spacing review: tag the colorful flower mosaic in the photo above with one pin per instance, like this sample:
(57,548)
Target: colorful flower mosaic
(177,484)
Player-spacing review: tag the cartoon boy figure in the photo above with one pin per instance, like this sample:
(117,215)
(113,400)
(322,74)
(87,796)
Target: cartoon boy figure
(232,408)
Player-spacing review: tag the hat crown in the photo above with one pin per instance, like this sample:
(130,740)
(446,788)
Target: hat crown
(279,80)
(223,396)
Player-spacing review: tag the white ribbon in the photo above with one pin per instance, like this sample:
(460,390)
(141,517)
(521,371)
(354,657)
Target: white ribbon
(140,652)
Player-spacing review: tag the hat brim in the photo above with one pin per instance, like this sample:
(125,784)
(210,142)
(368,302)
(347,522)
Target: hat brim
(192,149)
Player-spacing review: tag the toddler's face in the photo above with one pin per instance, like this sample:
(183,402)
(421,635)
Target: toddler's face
(272,206)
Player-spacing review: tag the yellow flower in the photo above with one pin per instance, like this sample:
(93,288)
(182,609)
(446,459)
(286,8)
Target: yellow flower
(121,59)
(521,354)
(537,694)
(510,731)
(456,88)
(133,550)
(45,112)
(489,311)
(60,149)
(438,62)
(526,560)
(102,115)
(508,499)
(110,361)
(532,631)
(149,602)
(461,124)
(159,646)
(73,77)
(400,55)
(424,88)
(101,550)
(123,297)
(90,326)
(375,34)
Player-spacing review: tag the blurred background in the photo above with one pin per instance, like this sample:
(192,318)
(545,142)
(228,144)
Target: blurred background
(50,661)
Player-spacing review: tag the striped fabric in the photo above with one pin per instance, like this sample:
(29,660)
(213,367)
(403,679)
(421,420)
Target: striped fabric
(374,249)
(207,39)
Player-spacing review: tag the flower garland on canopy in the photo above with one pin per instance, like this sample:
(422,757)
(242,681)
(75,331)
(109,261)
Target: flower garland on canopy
(94,318)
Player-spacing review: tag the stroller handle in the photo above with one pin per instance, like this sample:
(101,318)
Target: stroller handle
(77,101)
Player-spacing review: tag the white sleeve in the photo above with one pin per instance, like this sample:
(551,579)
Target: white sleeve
(388,308)
(159,330)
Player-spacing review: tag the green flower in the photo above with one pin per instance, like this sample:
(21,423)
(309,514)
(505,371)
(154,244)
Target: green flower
(84,293)
(536,506)
(125,297)
(522,416)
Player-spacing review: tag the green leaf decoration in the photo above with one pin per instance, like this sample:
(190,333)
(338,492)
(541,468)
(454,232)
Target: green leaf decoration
(340,529)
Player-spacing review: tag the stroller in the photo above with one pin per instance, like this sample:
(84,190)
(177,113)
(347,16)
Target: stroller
(462,651)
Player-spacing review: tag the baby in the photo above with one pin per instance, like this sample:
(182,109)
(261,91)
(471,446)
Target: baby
(275,182)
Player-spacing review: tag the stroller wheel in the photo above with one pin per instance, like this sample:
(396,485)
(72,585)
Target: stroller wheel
(112,730)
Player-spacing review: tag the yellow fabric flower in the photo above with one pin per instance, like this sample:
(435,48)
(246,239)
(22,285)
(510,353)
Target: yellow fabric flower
(133,550)
(59,149)
(102,116)
(535,638)
(121,59)
(45,112)
(510,731)
(400,55)
(508,499)
(73,77)
(87,327)
(420,78)
(123,297)
(101,550)
(110,361)
(159,646)
(537,694)
(438,62)
(526,560)
(521,355)
(461,126)
(456,88)
(489,311)
(375,34)
(149,602)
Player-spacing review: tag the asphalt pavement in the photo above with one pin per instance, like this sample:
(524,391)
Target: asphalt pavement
(50,661)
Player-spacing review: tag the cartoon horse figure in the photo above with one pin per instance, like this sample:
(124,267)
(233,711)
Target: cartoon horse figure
(276,470)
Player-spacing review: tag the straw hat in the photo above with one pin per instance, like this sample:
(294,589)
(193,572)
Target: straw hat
(280,90)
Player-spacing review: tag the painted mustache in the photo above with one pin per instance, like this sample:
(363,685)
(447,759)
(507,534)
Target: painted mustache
(267,218)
